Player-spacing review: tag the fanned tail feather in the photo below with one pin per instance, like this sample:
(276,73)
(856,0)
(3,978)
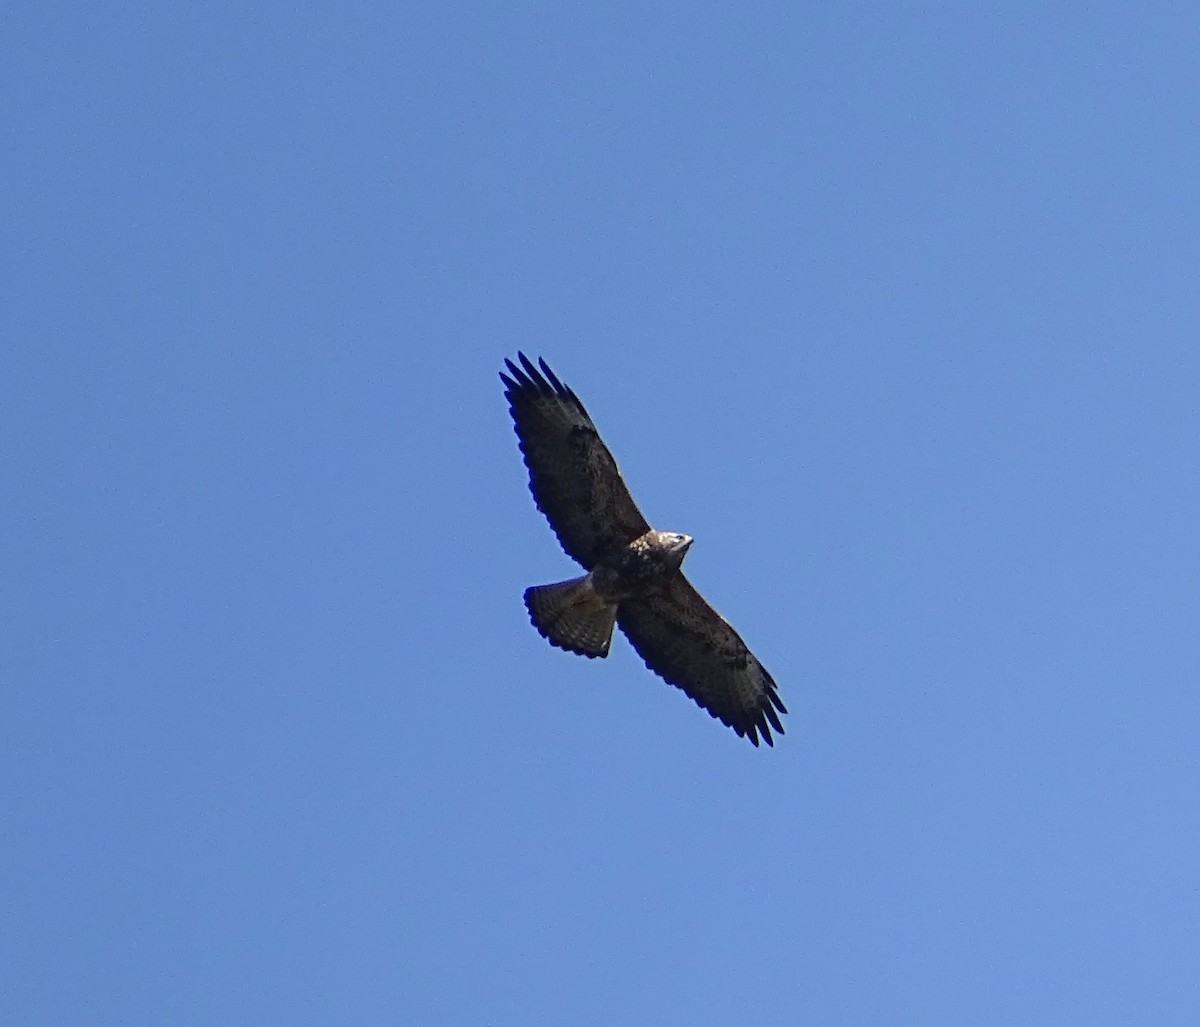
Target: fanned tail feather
(572,616)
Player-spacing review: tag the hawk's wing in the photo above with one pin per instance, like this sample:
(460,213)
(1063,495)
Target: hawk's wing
(572,475)
(689,645)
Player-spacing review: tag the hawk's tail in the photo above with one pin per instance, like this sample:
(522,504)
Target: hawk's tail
(572,616)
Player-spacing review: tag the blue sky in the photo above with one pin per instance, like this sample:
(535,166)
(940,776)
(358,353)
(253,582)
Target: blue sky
(893,307)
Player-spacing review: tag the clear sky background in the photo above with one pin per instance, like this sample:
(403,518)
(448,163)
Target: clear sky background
(895,308)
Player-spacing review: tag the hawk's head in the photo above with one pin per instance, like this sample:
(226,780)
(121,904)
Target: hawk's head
(673,547)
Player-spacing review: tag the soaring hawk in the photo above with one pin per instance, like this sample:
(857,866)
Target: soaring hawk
(633,574)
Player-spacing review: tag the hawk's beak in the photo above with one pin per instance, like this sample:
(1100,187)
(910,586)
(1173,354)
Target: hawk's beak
(684,543)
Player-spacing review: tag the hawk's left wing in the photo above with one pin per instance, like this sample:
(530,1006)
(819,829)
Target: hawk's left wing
(689,645)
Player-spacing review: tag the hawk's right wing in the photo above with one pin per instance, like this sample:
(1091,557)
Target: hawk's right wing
(572,475)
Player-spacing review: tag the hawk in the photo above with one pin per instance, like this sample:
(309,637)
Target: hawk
(633,577)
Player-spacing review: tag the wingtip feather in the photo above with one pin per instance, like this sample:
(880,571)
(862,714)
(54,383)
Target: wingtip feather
(530,370)
(551,377)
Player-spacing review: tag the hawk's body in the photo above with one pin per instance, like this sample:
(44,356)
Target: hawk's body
(634,578)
